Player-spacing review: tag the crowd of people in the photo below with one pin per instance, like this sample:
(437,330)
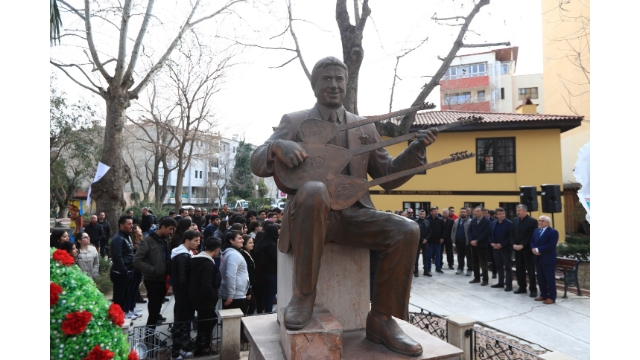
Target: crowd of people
(486,240)
(231,256)
(227,255)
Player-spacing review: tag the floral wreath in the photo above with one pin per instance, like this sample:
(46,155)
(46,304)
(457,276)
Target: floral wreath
(83,324)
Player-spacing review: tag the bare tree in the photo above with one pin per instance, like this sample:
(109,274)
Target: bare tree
(151,129)
(120,90)
(194,80)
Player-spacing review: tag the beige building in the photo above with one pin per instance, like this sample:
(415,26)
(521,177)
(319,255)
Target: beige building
(566,72)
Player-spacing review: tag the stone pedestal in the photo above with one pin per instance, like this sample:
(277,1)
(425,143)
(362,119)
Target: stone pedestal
(456,328)
(264,340)
(230,344)
(343,284)
(321,339)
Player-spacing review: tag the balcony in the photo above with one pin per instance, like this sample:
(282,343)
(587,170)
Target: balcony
(464,83)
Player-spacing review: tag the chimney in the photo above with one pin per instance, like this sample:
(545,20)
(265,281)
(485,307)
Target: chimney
(527,107)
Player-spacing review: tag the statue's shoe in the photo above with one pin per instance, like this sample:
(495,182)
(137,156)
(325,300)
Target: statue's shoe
(391,335)
(298,313)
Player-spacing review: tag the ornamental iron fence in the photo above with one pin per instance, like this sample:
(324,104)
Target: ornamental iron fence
(487,347)
(430,322)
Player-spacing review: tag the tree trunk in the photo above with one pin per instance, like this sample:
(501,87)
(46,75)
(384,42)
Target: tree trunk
(178,191)
(352,51)
(108,192)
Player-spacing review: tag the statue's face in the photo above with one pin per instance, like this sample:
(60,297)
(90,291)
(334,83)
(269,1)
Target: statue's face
(331,87)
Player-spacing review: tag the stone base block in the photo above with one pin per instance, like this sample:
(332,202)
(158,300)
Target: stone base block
(263,334)
(343,284)
(321,339)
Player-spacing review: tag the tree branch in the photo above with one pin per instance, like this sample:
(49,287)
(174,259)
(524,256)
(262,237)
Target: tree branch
(74,80)
(138,43)
(92,46)
(187,25)
(122,41)
(100,89)
(295,40)
(395,70)
(288,61)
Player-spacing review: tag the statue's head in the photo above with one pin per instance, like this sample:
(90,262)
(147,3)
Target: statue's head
(329,81)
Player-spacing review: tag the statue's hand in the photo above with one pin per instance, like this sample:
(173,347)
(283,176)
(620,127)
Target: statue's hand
(427,137)
(290,153)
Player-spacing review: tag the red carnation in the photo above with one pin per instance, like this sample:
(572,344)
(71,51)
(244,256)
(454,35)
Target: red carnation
(116,314)
(133,355)
(99,354)
(76,322)
(54,295)
(63,257)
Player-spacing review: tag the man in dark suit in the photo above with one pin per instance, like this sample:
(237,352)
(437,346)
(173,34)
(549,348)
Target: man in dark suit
(425,232)
(522,229)
(447,228)
(500,239)
(479,241)
(543,247)
(309,222)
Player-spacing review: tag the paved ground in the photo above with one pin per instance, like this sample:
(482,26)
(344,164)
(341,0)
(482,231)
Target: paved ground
(563,326)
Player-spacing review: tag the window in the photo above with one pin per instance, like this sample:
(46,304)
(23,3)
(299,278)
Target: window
(463,71)
(416,206)
(509,209)
(458,98)
(501,93)
(531,93)
(496,155)
(504,69)
(473,205)
(481,96)
(200,174)
(234,149)
(196,174)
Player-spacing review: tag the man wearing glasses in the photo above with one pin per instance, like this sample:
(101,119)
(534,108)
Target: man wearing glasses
(410,214)
(198,219)
(543,246)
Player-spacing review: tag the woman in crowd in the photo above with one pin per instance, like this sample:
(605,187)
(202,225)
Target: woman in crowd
(57,237)
(233,271)
(268,249)
(88,257)
(245,251)
(70,248)
(183,225)
(254,228)
(219,234)
(134,285)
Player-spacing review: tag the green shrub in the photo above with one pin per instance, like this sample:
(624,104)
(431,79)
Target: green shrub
(575,247)
(103,281)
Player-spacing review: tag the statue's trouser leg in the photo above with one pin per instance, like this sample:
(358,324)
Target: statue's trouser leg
(395,238)
(309,216)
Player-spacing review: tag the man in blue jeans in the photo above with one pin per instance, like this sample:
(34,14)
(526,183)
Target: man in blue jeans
(435,240)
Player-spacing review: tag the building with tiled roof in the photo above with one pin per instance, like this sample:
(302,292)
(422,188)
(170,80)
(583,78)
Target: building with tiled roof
(512,150)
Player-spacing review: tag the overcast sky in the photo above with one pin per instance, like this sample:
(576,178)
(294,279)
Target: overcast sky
(255,96)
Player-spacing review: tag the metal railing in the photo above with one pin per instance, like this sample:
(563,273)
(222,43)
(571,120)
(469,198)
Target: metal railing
(484,346)
(156,343)
(430,322)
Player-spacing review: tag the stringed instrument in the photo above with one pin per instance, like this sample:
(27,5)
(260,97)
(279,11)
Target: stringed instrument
(316,131)
(346,190)
(329,160)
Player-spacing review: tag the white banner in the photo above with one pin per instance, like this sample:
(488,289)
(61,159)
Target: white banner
(102,170)
(581,173)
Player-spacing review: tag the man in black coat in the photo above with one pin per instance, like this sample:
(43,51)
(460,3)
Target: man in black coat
(146,221)
(95,232)
(523,228)
(500,239)
(479,241)
(122,268)
(447,228)
(435,240)
(203,293)
(199,219)
(183,312)
(425,232)
(102,220)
